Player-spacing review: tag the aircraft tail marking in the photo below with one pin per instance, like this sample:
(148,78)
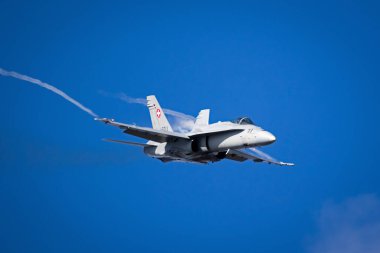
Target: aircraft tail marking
(157,115)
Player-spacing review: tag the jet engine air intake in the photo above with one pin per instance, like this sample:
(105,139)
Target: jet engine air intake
(200,144)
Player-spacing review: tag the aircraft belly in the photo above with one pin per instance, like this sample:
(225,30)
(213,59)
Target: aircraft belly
(176,155)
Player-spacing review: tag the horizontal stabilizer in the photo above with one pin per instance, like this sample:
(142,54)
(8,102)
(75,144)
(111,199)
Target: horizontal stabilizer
(129,143)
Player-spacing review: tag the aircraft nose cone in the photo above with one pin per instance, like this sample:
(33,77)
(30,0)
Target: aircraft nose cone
(271,138)
(268,138)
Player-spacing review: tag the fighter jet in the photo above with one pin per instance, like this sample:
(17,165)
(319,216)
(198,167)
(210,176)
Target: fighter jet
(205,143)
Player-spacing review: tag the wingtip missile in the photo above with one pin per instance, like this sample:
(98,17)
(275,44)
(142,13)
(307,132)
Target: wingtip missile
(105,120)
(286,164)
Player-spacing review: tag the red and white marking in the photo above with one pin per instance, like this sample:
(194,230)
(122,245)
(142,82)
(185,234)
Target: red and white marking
(158,113)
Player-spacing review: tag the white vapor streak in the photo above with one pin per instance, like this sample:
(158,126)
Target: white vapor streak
(262,154)
(47,86)
(131,100)
(182,122)
(179,114)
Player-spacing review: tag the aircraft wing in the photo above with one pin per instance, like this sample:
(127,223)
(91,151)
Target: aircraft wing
(145,132)
(241,156)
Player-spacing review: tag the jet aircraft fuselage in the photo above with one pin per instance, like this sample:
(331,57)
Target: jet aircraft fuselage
(204,143)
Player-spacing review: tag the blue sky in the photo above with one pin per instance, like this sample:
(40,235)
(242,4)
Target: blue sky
(308,72)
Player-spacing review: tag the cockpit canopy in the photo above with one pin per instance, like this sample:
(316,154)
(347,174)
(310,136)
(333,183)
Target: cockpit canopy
(243,121)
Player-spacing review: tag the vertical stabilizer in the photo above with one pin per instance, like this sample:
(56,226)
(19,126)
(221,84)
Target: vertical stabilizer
(157,115)
(202,120)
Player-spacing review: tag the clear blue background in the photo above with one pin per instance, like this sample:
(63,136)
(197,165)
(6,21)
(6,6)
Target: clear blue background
(308,72)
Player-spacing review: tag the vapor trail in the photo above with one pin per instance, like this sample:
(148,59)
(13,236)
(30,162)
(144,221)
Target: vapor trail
(262,154)
(178,114)
(131,100)
(57,91)
(182,122)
